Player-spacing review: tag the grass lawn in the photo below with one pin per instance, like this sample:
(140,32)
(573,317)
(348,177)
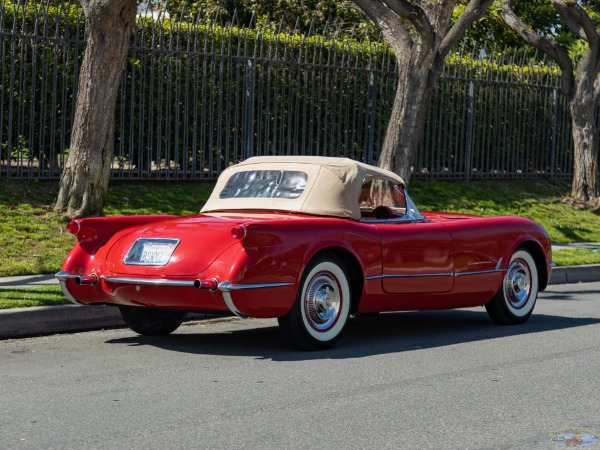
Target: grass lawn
(33,239)
(32,296)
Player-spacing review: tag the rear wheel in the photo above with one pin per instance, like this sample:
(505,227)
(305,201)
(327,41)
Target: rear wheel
(514,301)
(152,322)
(322,305)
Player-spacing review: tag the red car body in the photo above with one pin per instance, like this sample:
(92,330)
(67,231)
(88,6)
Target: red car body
(252,262)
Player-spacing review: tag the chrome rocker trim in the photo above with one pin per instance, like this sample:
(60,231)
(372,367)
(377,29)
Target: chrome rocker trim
(226,286)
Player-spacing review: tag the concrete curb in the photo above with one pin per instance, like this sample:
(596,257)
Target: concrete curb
(43,320)
(22,322)
(575,274)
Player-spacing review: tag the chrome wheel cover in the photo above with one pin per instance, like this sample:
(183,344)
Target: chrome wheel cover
(517,284)
(322,301)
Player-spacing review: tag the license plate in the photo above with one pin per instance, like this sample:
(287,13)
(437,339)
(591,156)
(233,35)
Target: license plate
(151,252)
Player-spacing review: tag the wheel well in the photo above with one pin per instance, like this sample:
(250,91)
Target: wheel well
(540,262)
(354,272)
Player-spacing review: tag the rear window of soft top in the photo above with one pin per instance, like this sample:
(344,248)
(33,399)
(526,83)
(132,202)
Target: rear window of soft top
(284,184)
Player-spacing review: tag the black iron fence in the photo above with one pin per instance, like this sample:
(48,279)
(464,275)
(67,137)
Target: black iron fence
(198,96)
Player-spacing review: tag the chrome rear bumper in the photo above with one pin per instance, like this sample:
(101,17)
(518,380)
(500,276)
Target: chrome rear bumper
(211,284)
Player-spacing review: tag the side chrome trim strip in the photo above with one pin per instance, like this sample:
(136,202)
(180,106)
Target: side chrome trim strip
(226,286)
(419,275)
(444,274)
(150,281)
(480,272)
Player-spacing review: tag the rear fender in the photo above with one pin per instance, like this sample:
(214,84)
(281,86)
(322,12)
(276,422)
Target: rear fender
(94,232)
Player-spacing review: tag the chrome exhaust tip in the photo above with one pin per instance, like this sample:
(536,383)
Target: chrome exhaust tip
(81,280)
(211,284)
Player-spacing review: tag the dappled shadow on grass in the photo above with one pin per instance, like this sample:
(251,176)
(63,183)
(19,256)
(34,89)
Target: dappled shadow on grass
(175,198)
(573,234)
(34,192)
(487,197)
(363,337)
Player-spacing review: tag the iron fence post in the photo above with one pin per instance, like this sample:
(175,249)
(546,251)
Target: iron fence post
(469,138)
(249,123)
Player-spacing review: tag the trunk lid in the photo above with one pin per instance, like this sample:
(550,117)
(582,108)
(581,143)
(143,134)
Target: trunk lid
(182,246)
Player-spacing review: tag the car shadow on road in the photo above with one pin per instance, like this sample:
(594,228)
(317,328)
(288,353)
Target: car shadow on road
(363,336)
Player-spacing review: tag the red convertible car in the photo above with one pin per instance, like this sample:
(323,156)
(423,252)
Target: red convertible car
(310,241)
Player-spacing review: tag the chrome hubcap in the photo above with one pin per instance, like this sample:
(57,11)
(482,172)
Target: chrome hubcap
(322,301)
(517,284)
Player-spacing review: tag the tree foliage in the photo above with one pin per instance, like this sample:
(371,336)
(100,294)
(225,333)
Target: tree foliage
(540,15)
(305,16)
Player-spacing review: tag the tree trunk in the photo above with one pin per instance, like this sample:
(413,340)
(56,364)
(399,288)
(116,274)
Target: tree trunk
(84,181)
(578,87)
(421,36)
(416,81)
(586,142)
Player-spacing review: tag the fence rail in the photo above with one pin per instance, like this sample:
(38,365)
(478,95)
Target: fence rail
(196,97)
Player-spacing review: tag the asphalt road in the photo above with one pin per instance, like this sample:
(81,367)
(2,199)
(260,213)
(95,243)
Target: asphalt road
(440,380)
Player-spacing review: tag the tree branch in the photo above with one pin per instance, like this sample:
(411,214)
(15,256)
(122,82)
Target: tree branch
(473,11)
(551,48)
(417,17)
(578,21)
(440,14)
(386,20)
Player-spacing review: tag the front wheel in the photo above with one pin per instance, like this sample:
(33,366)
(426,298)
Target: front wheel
(151,322)
(514,301)
(322,305)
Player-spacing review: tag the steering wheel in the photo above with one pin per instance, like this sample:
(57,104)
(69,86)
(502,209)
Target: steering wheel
(382,213)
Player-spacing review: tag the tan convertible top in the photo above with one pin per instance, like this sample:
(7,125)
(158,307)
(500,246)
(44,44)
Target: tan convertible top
(333,185)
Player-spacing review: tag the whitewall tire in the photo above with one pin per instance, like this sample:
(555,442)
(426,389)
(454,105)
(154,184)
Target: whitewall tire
(322,305)
(516,298)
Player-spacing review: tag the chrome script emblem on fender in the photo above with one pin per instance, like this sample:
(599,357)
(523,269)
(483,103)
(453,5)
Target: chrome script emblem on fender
(151,252)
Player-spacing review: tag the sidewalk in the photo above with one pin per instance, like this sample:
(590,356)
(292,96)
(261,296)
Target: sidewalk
(21,322)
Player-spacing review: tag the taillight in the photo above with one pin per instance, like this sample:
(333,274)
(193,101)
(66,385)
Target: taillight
(73,227)
(82,229)
(238,232)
